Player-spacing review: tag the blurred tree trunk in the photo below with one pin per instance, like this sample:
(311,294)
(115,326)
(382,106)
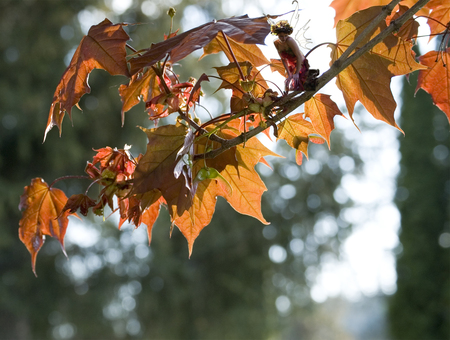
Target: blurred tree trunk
(420,309)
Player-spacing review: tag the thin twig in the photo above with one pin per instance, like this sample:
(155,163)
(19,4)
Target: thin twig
(233,56)
(67,177)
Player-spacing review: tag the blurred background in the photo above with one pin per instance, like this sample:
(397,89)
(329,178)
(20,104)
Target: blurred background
(359,241)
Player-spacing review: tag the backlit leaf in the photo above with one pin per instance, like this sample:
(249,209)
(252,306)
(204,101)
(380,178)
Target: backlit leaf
(321,110)
(42,215)
(276,65)
(149,217)
(295,131)
(241,29)
(145,86)
(439,16)
(155,170)
(368,79)
(345,8)
(103,48)
(237,167)
(243,52)
(409,29)
(435,80)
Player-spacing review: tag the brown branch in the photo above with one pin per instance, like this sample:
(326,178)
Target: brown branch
(290,102)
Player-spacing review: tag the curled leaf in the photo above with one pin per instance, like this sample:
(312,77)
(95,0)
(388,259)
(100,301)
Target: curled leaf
(80,201)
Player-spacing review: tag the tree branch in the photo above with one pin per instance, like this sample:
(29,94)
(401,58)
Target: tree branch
(293,100)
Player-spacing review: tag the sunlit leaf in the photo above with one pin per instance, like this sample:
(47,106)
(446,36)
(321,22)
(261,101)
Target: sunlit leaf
(243,52)
(295,131)
(435,80)
(141,86)
(345,8)
(42,215)
(321,110)
(240,185)
(241,29)
(103,48)
(368,79)
(409,29)
(439,16)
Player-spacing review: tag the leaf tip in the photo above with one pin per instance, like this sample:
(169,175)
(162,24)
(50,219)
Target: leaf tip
(33,264)
(191,246)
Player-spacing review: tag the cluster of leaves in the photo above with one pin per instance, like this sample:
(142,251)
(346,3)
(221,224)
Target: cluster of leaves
(188,164)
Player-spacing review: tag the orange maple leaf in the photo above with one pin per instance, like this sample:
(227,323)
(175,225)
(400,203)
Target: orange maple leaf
(321,110)
(409,3)
(345,8)
(435,79)
(439,17)
(103,48)
(142,85)
(241,185)
(249,54)
(43,215)
(276,65)
(295,131)
(409,29)
(368,79)
(243,52)
(149,217)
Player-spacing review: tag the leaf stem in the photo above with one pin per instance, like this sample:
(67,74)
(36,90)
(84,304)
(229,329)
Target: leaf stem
(233,56)
(317,46)
(67,177)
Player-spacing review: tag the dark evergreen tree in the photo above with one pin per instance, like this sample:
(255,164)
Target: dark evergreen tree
(420,309)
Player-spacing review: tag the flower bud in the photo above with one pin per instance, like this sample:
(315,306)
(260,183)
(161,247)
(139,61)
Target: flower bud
(171,12)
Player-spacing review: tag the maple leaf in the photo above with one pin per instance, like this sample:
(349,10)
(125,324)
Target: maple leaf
(79,201)
(240,185)
(409,29)
(295,131)
(409,3)
(321,110)
(253,83)
(368,78)
(200,213)
(230,75)
(150,215)
(345,8)
(242,29)
(435,80)
(243,52)
(276,65)
(439,17)
(156,168)
(142,85)
(43,215)
(102,48)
